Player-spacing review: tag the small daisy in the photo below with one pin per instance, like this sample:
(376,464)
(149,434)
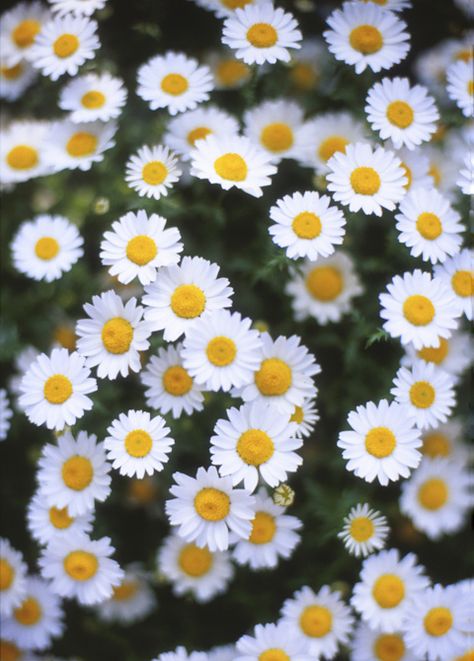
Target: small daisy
(466,175)
(273,535)
(306,417)
(70,146)
(191,569)
(261,33)
(174,81)
(388,584)
(181,294)
(12,578)
(272,641)
(324,290)
(93,97)
(307,225)
(113,335)
(383,443)
(79,567)
(453,356)
(131,601)
(232,161)
(180,654)
(322,620)
(47,247)
(366,35)
(416,166)
(374,645)
(55,388)
(74,473)
(14,80)
(365,530)
(446,441)
(206,507)
(22,152)
(170,386)
(138,245)
(76,7)
(457,273)
(419,309)
(256,441)
(461,86)
(46,522)
(152,171)
(229,72)
(19,29)
(5,414)
(366,178)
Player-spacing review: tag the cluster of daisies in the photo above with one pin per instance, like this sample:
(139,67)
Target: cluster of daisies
(398,162)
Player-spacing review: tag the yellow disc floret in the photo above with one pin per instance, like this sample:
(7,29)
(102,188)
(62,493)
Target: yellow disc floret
(60,518)
(400,114)
(274,377)
(325,283)
(25,32)
(255,447)
(176,381)
(221,351)
(388,590)
(77,472)
(117,335)
(380,442)
(231,167)
(93,99)
(29,613)
(433,494)
(195,561)
(437,356)
(65,45)
(306,225)
(366,39)
(274,654)
(138,443)
(81,144)
(212,504)
(277,137)
(361,529)
(436,444)
(332,145)
(365,181)
(9,651)
(199,133)
(429,226)
(262,35)
(81,565)
(463,283)
(22,157)
(188,301)
(57,389)
(141,249)
(7,574)
(418,310)
(438,621)
(422,394)
(154,173)
(46,248)
(389,647)
(126,590)
(230,72)
(174,84)
(263,528)
(316,621)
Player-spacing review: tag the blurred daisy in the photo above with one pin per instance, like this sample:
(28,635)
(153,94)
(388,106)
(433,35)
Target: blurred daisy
(22,362)
(324,290)
(76,7)
(12,577)
(272,641)
(14,80)
(443,171)
(321,619)
(191,569)
(55,389)
(46,522)
(5,414)
(22,152)
(457,273)
(228,71)
(466,175)
(206,507)
(415,166)
(453,356)
(152,171)
(113,335)
(180,654)
(373,645)
(181,294)
(19,28)
(261,33)
(174,81)
(69,145)
(138,245)
(383,443)
(461,86)
(81,568)
(366,178)
(308,64)
(365,530)
(306,417)
(74,474)
(445,441)
(224,8)
(47,247)
(132,600)
(93,97)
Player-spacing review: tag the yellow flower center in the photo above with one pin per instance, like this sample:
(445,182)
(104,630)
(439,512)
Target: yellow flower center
(81,144)
(469,656)
(418,310)
(176,381)
(235,4)
(316,621)
(80,565)
(324,283)
(9,651)
(408,175)
(12,73)
(274,654)
(298,415)
(22,157)
(174,84)
(274,377)
(126,590)
(60,518)
(66,337)
(470,87)
(262,35)
(194,561)
(366,39)
(255,447)
(230,72)
(29,613)
(25,32)
(66,45)
(117,335)
(154,173)
(438,621)
(436,445)
(380,442)
(263,528)
(465,54)
(389,647)
(429,226)
(463,283)
(212,504)
(93,99)
(361,529)
(7,574)
(77,472)
(141,249)
(422,394)
(277,137)
(435,172)
(388,590)
(333,144)
(231,167)
(433,494)
(138,443)
(199,133)
(46,248)
(304,76)
(221,351)
(400,114)
(365,181)
(188,301)
(435,355)
(307,225)
(57,389)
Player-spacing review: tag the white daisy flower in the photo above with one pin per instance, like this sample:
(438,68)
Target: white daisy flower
(113,335)
(170,386)
(324,290)
(76,7)
(307,225)
(322,619)
(19,28)
(261,33)
(272,641)
(138,245)
(63,45)
(180,654)
(93,97)
(453,356)
(14,80)
(273,535)
(152,171)
(22,152)
(466,174)
(419,309)
(206,507)
(81,568)
(228,71)
(388,584)
(5,414)
(461,86)
(366,178)
(174,81)
(374,645)
(383,443)
(232,161)
(446,441)
(37,619)
(425,392)
(191,569)
(47,247)
(457,273)
(12,578)
(305,417)
(69,145)
(181,294)
(224,8)
(416,167)
(366,35)
(74,474)
(55,388)
(132,600)
(365,530)
(46,522)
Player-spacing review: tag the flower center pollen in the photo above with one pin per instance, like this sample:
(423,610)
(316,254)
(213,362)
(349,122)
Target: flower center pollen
(174,84)
(66,45)
(194,561)
(400,114)
(126,590)
(60,518)
(255,447)
(138,443)
(22,157)
(176,381)
(81,565)
(274,654)
(7,574)
(362,529)
(231,167)
(433,494)
(436,356)
(46,248)
(422,394)
(262,35)
(263,528)
(57,389)
(199,133)
(29,613)
(388,590)
(274,377)
(429,226)
(77,472)
(141,249)
(25,32)
(366,39)
(277,137)
(231,72)
(365,181)
(333,144)
(436,445)
(380,442)
(438,621)
(316,621)
(463,283)
(221,351)
(117,335)
(93,99)
(389,647)
(307,225)
(81,144)
(418,310)
(154,173)
(324,283)
(188,301)
(212,504)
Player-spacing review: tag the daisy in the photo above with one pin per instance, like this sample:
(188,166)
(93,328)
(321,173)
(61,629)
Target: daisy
(76,7)
(466,175)
(174,81)
(383,443)
(306,225)
(180,654)
(373,645)
(232,161)
(272,641)
(138,245)
(46,522)
(366,178)
(308,64)
(12,578)
(321,619)
(5,414)
(273,535)
(14,80)
(132,600)
(228,71)
(224,8)
(365,530)
(256,441)
(19,29)
(47,247)
(445,441)
(206,507)
(306,417)
(388,584)
(81,568)
(425,392)
(416,167)
(461,86)
(69,145)
(457,273)
(152,171)
(181,294)
(419,309)
(170,386)
(63,45)
(366,35)
(191,569)
(113,335)
(453,356)
(261,33)
(324,290)
(74,474)
(93,97)
(55,388)
(22,152)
